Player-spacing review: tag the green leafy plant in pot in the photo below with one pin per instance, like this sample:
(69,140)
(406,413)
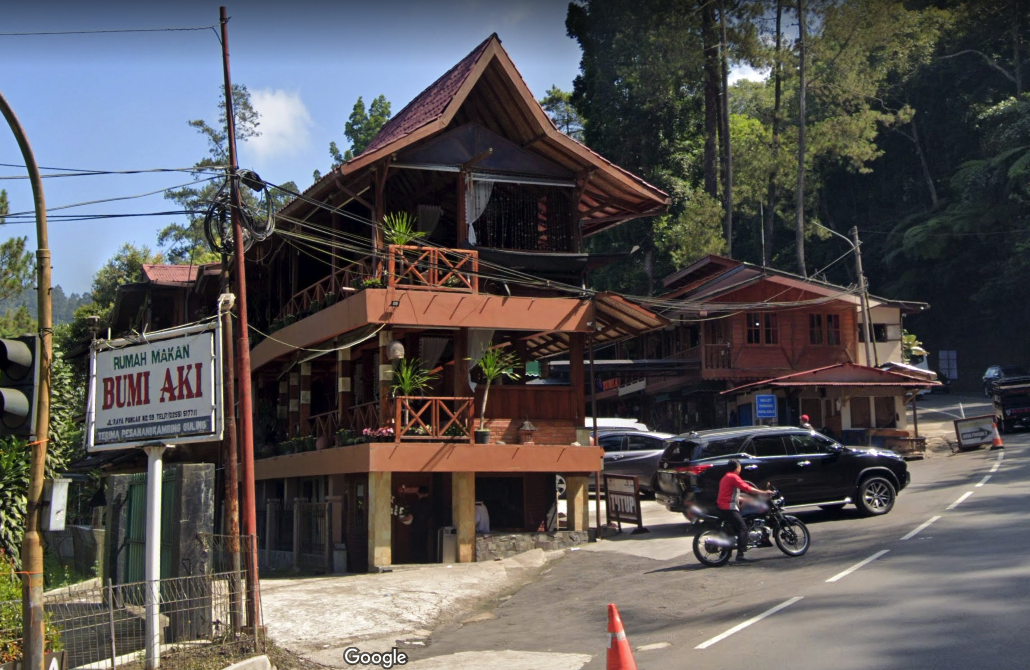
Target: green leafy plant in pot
(495,364)
(399,229)
(409,379)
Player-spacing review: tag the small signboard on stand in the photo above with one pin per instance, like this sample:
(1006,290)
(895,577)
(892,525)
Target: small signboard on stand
(622,501)
(974,431)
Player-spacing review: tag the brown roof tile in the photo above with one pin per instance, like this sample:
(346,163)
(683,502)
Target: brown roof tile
(170,274)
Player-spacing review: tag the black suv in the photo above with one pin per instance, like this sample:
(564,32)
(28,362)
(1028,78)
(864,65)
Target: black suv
(807,468)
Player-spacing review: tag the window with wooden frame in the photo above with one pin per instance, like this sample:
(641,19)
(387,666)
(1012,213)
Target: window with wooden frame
(815,328)
(772,335)
(833,330)
(753,323)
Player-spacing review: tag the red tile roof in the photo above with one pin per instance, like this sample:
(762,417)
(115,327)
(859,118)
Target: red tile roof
(430,104)
(170,274)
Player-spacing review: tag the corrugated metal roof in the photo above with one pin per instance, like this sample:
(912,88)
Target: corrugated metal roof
(842,374)
(170,274)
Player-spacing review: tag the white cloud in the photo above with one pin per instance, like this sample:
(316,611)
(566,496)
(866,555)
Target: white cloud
(285,124)
(744,71)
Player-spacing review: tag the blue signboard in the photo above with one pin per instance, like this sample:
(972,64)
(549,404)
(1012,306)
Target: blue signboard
(765,406)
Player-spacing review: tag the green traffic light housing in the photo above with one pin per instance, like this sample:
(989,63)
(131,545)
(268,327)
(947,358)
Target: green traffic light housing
(19,374)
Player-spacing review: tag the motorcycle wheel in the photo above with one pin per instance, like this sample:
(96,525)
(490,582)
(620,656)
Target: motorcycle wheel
(792,537)
(710,554)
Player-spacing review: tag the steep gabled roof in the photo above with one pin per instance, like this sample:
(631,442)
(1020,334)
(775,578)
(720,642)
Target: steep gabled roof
(502,102)
(842,374)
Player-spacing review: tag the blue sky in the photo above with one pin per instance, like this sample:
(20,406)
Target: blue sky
(122,101)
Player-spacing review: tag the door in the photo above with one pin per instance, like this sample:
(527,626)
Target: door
(640,459)
(860,417)
(813,407)
(744,415)
(771,465)
(817,463)
(886,416)
(613,446)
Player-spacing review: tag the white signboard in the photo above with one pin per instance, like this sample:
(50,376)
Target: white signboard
(165,391)
(974,431)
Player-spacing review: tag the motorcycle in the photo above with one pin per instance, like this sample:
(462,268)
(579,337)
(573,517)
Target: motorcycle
(766,523)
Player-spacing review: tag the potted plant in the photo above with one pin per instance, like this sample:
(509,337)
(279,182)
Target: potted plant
(399,229)
(494,364)
(409,379)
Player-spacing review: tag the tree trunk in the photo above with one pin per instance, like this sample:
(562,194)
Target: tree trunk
(799,234)
(1017,69)
(926,166)
(727,147)
(770,212)
(711,86)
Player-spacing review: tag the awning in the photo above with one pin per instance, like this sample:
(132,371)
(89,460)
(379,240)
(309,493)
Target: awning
(615,319)
(840,375)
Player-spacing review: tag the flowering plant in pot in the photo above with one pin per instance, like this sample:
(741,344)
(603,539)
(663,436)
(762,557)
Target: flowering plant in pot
(495,364)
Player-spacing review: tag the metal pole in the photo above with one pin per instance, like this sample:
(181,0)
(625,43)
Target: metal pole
(32,548)
(593,413)
(246,443)
(870,350)
(152,557)
(230,456)
(110,618)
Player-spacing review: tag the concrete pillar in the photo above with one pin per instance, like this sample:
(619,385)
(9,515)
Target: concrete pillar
(305,399)
(380,521)
(578,497)
(282,408)
(344,392)
(385,378)
(336,518)
(273,508)
(296,532)
(294,405)
(463,512)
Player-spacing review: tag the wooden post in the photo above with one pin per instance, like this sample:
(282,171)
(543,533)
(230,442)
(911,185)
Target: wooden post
(305,399)
(296,532)
(577,495)
(344,393)
(385,377)
(380,521)
(282,409)
(294,405)
(463,227)
(461,363)
(463,511)
(576,374)
(915,414)
(273,508)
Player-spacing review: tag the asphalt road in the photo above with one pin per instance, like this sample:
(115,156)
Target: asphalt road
(955,594)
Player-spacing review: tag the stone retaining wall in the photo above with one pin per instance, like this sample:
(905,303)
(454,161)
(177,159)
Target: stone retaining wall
(495,546)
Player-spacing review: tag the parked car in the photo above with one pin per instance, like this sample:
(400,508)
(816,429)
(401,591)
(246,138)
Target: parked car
(634,453)
(806,467)
(999,372)
(614,423)
(1011,403)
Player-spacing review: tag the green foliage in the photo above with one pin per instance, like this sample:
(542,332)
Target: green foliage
(14,482)
(495,364)
(16,322)
(409,378)
(910,346)
(558,105)
(17,266)
(361,128)
(399,228)
(693,233)
(10,615)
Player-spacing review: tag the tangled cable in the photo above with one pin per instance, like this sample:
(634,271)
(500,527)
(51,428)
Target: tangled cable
(218,220)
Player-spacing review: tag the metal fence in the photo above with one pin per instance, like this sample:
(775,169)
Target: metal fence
(102,626)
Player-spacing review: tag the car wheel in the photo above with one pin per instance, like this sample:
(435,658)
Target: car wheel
(832,508)
(559,483)
(876,496)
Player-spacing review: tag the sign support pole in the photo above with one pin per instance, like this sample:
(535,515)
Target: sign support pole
(152,556)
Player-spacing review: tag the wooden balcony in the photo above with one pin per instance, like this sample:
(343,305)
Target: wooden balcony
(717,356)
(415,267)
(365,415)
(435,419)
(329,289)
(324,425)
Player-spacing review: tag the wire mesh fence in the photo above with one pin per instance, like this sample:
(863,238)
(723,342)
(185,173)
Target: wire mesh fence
(103,626)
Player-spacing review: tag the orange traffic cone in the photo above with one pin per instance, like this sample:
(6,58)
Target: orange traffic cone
(996,443)
(620,656)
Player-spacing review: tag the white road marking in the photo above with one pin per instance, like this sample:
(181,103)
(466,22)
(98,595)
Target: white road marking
(959,501)
(921,528)
(856,566)
(983,481)
(741,626)
(1001,455)
(994,468)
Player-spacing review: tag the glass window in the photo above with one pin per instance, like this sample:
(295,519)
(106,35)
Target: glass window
(880,332)
(771,334)
(725,447)
(833,329)
(754,328)
(611,442)
(815,328)
(679,451)
(770,445)
(810,444)
(642,442)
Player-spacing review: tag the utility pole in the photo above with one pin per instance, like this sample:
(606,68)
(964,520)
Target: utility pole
(870,350)
(246,422)
(32,547)
(230,457)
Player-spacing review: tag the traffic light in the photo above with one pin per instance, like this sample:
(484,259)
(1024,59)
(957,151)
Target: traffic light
(19,374)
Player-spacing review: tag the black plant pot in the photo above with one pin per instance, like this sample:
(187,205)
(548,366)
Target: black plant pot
(482,436)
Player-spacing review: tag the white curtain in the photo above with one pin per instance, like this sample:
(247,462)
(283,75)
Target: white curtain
(479,342)
(477,195)
(431,349)
(428,217)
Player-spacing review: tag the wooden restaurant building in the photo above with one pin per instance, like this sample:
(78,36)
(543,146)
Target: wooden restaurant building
(502,203)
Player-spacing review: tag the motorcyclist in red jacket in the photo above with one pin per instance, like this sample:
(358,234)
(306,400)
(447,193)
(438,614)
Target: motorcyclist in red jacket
(728,502)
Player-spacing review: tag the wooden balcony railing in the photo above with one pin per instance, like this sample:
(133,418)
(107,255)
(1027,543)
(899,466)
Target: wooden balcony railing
(324,425)
(433,268)
(433,419)
(689,354)
(335,285)
(717,356)
(364,416)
